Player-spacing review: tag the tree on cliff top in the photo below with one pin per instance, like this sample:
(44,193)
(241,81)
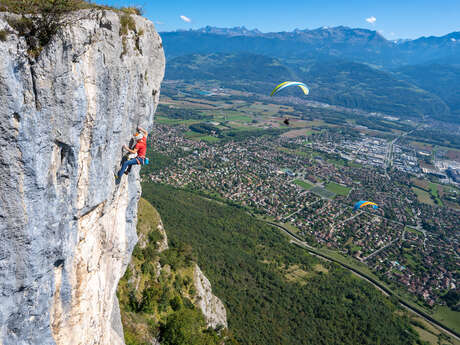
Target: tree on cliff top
(39,20)
(43,7)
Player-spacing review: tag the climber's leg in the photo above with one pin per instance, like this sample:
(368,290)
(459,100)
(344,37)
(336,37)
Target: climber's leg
(126,164)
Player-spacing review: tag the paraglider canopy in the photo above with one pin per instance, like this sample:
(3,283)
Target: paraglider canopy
(286,84)
(363,203)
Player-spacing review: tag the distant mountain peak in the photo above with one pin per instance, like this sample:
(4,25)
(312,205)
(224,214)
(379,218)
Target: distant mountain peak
(235,31)
(337,32)
(339,42)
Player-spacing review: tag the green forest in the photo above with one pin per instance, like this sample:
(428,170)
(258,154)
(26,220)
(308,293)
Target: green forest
(274,292)
(348,84)
(159,303)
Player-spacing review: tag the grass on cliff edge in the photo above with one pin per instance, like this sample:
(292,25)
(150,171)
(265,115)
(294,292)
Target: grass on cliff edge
(40,20)
(248,263)
(55,6)
(160,304)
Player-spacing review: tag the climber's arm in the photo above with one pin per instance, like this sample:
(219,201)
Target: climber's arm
(142,130)
(128,149)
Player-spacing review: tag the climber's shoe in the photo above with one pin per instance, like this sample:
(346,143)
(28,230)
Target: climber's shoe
(117,179)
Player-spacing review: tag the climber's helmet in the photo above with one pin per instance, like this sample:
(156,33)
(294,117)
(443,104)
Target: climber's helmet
(138,136)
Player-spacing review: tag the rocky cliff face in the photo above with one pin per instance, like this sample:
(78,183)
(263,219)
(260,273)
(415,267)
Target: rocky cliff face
(67,230)
(211,306)
(160,283)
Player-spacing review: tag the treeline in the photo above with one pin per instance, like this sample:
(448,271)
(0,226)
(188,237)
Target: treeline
(204,128)
(348,84)
(249,264)
(255,133)
(180,113)
(452,299)
(379,125)
(340,118)
(437,137)
(357,85)
(157,304)
(235,69)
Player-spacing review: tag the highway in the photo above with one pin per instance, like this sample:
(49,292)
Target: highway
(389,154)
(298,241)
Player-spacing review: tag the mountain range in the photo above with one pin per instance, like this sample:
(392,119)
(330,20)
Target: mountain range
(343,66)
(339,42)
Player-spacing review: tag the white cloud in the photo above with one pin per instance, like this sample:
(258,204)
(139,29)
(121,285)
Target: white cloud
(185,19)
(371,20)
(159,23)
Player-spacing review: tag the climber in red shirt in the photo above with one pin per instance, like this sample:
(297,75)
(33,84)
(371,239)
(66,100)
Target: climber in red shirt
(139,150)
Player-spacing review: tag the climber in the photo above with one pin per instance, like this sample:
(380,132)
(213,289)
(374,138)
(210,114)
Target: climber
(139,150)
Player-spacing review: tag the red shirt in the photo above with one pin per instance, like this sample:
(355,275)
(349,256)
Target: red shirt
(141,147)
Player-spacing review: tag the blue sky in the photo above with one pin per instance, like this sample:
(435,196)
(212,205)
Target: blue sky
(393,18)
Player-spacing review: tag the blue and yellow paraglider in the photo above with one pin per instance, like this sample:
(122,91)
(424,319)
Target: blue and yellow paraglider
(363,203)
(286,84)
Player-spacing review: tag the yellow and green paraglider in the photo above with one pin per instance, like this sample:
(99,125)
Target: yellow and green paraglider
(286,84)
(363,203)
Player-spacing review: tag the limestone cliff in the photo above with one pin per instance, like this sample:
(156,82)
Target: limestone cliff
(161,281)
(212,307)
(67,230)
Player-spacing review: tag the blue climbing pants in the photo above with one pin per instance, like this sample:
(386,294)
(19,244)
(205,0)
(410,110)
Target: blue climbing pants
(126,164)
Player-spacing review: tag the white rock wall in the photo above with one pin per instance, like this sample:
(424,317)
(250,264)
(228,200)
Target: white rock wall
(212,307)
(66,229)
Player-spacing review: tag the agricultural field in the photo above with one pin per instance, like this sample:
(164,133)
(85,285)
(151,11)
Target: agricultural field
(422,184)
(208,138)
(448,317)
(423,196)
(303,184)
(453,155)
(422,146)
(167,121)
(430,333)
(304,132)
(434,190)
(338,189)
(233,114)
(323,192)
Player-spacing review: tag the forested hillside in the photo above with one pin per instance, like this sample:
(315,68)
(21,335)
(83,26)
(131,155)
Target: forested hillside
(442,80)
(355,68)
(349,84)
(157,293)
(276,293)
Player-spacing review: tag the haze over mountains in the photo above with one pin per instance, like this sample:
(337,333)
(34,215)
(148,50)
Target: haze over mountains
(339,42)
(344,66)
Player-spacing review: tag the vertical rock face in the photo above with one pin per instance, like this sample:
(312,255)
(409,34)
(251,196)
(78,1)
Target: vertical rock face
(211,306)
(67,230)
